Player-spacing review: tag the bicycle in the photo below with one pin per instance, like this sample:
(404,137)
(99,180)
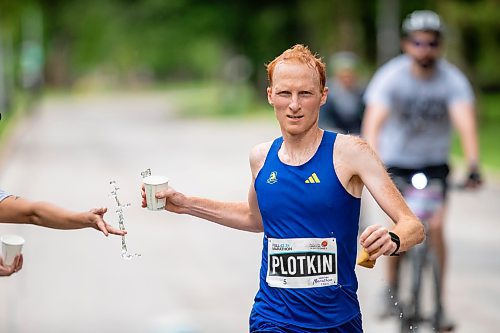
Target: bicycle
(424,196)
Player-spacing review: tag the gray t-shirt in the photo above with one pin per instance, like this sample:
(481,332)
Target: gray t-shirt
(3,195)
(417,131)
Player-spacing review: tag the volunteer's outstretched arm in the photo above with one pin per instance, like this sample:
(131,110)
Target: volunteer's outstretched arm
(18,210)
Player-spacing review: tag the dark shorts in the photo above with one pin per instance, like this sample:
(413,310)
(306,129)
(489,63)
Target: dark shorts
(402,176)
(259,324)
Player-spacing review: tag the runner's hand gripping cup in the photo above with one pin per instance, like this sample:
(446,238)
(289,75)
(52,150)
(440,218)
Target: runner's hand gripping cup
(152,185)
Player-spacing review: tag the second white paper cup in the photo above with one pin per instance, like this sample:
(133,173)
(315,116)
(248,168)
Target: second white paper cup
(11,246)
(153,184)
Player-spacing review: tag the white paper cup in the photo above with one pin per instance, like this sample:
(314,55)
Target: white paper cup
(11,246)
(153,184)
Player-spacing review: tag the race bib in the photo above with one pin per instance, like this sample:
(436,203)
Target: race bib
(301,262)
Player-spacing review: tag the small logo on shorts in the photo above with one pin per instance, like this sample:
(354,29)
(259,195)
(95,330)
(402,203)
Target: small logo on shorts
(273,177)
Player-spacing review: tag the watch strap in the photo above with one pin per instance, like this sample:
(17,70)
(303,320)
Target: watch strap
(397,241)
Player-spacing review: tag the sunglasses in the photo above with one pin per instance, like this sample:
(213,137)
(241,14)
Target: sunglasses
(421,44)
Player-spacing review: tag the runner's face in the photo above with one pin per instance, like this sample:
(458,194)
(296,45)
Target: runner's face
(296,96)
(424,47)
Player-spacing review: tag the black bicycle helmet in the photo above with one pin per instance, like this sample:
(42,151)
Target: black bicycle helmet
(422,20)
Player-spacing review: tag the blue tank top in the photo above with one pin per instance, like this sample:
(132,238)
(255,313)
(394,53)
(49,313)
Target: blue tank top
(308,205)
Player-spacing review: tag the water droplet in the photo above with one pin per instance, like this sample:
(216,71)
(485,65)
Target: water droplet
(129,256)
(395,303)
(119,211)
(401,315)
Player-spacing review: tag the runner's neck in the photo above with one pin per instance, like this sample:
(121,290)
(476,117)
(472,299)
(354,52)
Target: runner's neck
(299,150)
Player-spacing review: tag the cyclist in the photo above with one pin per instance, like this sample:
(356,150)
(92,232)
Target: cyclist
(412,103)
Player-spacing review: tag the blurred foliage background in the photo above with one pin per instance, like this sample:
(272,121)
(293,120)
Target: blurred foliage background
(155,40)
(220,47)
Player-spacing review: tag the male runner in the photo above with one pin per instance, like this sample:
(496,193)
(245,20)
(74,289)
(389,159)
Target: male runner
(14,209)
(412,103)
(305,198)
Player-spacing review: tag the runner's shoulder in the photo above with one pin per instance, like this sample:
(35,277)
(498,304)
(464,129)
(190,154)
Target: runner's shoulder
(258,154)
(354,151)
(352,144)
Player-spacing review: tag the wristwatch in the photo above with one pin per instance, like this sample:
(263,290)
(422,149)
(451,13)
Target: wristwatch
(395,239)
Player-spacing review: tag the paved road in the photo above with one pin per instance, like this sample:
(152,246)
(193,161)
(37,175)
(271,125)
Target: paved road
(193,276)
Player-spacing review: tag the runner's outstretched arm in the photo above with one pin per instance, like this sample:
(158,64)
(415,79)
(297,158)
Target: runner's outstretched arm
(237,215)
